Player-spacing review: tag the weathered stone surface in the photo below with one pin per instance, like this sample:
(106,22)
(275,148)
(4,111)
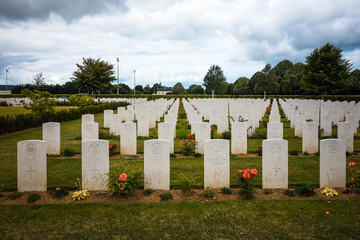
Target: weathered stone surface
(51,135)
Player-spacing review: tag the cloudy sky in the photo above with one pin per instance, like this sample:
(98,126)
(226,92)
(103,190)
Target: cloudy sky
(169,41)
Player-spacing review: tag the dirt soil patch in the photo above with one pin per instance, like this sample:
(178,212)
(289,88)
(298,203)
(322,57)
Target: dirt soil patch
(138,196)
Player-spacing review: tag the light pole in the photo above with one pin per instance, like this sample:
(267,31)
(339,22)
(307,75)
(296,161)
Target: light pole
(6,71)
(117,59)
(134,82)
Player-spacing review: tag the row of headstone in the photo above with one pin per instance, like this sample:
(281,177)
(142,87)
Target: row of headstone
(304,117)
(32,164)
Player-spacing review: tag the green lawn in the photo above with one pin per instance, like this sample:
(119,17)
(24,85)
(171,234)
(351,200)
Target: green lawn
(295,219)
(21,110)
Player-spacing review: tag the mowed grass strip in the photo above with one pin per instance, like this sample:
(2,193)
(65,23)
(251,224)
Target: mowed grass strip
(297,219)
(12,111)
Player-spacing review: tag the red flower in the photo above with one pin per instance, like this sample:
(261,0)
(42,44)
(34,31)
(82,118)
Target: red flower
(115,144)
(110,146)
(123,177)
(351,164)
(185,140)
(246,175)
(253,171)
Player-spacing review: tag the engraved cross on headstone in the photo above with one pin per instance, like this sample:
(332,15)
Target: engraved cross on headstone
(95,170)
(276,169)
(31,171)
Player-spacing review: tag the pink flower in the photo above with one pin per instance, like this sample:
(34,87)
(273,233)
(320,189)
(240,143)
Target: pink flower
(123,176)
(351,164)
(329,202)
(352,179)
(253,171)
(246,175)
(327,213)
(241,233)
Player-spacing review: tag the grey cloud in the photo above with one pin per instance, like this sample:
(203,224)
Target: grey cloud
(68,9)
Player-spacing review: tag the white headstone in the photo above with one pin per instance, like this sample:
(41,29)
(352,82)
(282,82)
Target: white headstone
(325,125)
(31,166)
(332,163)
(87,118)
(143,125)
(239,138)
(128,138)
(202,133)
(275,130)
(310,137)
(89,131)
(222,123)
(115,124)
(157,164)
(345,132)
(275,163)
(51,135)
(165,131)
(107,117)
(216,163)
(95,164)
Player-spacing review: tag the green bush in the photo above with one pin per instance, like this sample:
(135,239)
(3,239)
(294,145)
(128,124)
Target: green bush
(268,191)
(290,193)
(58,193)
(209,193)
(226,135)
(293,153)
(124,183)
(305,190)
(68,152)
(186,184)
(166,196)
(15,195)
(148,192)
(33,198)
(226,190)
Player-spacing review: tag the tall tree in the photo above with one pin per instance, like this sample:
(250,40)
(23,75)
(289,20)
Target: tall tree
(266,82)
(93,74)
(178,88)
(290,83)
(280,69)
(215,80)
(39,80)
(241,86)
(354,82)
(326,71)
(195,89)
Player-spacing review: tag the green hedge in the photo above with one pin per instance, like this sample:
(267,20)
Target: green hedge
(10,124)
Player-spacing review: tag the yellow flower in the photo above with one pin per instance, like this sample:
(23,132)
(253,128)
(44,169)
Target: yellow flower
(57,189)
(329,192)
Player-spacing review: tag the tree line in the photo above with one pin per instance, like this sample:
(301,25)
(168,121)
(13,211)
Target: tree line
(325,71)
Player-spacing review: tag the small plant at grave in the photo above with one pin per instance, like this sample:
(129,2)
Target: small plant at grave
(209,193)
(246,180)
(172,155)
(112,148)
(306,190)
(33,198)
(293,152)
(187,146)
(305,153)
(329,192)
(58,193)
(355,177)
(186,184)
(148,192)
(268,191)
(289,193)
(166,196)
(80,194)
(226,190)
(125,183)
(182,132)
(197,155)
(153,133)
(15,195)
(68,152)
(101,193)
(226,135)
(348,191)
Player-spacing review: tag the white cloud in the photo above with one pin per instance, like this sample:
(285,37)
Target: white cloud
(171,41)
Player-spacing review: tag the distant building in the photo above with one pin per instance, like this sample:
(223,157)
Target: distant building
(6,89)
(164,91)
